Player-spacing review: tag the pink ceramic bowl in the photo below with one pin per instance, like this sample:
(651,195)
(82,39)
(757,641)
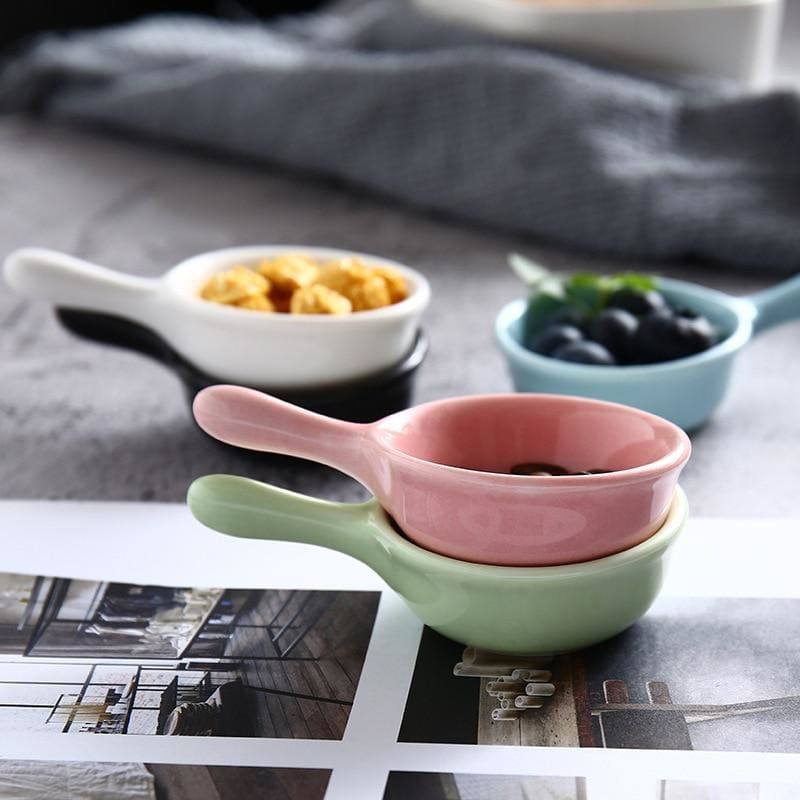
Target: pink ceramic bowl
(440,469)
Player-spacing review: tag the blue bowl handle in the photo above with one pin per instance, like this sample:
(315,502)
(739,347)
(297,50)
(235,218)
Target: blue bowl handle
(776,305)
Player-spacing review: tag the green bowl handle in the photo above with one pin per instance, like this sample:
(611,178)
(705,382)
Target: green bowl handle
(252,510)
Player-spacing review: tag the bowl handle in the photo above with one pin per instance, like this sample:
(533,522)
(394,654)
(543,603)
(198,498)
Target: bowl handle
(252,510)
(776,305)
(74,283)
(256,421)
(116,331)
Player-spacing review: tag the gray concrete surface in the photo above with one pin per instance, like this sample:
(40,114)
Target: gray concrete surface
(82,421)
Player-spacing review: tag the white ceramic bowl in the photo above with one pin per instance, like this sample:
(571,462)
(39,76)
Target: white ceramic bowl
(734,39)
(282,351)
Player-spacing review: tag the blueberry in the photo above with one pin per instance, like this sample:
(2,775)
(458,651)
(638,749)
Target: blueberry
(637,301)
(537,468)
(664,336)
(696,333)
(553,337)
(615,329)
(569,316)
(584,352)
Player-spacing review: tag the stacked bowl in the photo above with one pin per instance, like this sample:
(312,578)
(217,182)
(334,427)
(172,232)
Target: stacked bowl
(357,366)
(513,563)
(517,523)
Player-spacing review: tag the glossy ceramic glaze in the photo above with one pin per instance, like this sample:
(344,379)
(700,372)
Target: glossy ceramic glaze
(528,611)
(440,469)
(283,351)
(685,391)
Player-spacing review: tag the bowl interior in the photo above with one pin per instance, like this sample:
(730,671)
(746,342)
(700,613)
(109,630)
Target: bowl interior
(732,329)
(492,433)
(185,280)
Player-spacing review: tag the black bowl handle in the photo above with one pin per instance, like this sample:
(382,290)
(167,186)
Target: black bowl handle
(116,331)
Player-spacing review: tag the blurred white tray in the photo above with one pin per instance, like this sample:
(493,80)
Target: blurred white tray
(735,39)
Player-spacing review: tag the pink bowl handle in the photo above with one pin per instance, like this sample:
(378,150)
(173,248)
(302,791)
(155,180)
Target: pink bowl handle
(254,420)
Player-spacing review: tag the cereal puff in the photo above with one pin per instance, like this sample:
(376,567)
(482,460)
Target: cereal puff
(296,283)
(395,282)
(289,272)
(319,299)
(342,275)
(370,293)
(234,285)
(256,302)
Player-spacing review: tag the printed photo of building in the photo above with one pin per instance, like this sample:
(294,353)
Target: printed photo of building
(92,780)
(93,657)
(693,674)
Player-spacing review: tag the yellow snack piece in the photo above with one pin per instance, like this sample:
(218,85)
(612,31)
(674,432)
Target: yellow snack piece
(318,299)
(296,283)
(371,293)
(342,275)
(289,272)
(234,285)
(395,282)
(256,302)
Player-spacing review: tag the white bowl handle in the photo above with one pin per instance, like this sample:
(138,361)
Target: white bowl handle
(73,283)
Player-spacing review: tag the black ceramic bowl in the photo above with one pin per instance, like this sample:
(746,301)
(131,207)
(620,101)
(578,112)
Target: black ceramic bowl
(364,400)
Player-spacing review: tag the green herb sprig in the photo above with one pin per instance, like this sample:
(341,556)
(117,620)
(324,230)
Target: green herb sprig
(583,292)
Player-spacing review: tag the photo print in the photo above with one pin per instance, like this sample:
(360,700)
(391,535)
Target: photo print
(450,786)
(714,790)
(717,674)
(97,780)
(82,656)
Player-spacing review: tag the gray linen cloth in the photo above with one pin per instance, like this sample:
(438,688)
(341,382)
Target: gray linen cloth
(503,135)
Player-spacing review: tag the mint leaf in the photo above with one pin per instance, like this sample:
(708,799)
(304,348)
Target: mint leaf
(634,280)
(585,292)
(542,306)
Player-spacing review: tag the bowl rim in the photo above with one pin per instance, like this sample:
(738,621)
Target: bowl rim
(742,333)
(678,455)
(416,302)
(652,547)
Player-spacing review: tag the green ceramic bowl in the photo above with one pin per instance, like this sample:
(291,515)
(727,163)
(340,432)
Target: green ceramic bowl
(514,610)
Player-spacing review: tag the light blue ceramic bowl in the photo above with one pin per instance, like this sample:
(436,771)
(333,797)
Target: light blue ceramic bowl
(685,391)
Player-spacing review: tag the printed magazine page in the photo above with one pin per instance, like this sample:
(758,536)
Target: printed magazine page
(206,667)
